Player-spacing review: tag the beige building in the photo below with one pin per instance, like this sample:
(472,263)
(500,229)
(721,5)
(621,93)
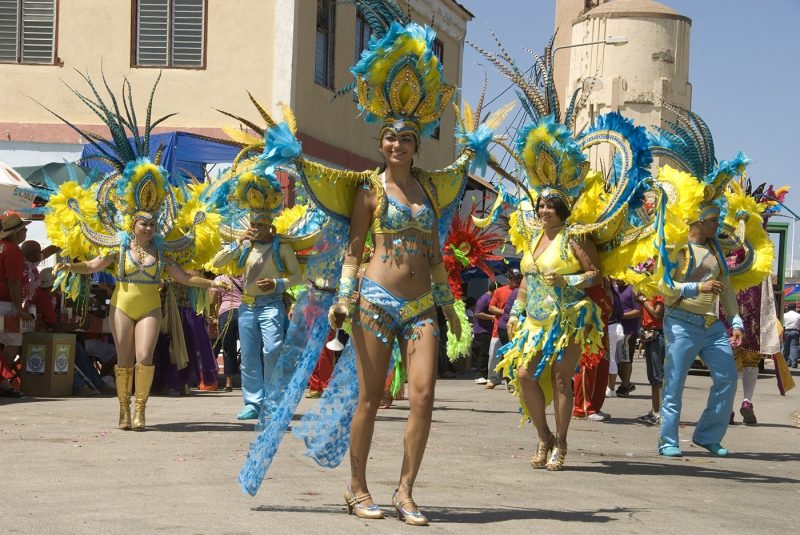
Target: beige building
(632,78)
(209,53)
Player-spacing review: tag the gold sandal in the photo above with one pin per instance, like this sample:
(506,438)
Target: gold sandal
(413,518)
(557,459)
(354,507)
(539,459)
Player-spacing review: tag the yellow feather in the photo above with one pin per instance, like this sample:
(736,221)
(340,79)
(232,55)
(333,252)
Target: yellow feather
(468,122)
(497,117)
(239,136)
(288,116)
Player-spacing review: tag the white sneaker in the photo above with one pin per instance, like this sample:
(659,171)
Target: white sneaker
(610,393)
(599,416)
(480,381)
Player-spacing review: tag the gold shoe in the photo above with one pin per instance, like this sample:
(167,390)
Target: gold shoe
(539,459)
(144,380)
(354,507)
(413,518)
(124,380)
(557,459)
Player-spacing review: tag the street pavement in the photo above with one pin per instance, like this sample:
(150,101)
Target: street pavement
(68,470)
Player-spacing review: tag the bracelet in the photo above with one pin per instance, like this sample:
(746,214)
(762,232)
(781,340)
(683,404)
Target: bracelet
(347,283)
(440,289)
(517,309)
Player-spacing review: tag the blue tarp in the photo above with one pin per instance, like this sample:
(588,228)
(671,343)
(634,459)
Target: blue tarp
(183,153)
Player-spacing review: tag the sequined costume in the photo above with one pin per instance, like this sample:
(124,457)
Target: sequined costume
(136,292)
(96,220)
(398,81)
(551,163)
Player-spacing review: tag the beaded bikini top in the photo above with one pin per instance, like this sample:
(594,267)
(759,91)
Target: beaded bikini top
(136,273)
(397,217)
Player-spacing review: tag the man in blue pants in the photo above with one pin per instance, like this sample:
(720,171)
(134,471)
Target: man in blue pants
(691,328)
(270,267)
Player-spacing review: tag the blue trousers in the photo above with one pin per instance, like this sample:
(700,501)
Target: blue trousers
(261,330)
(685,340)
(791,337)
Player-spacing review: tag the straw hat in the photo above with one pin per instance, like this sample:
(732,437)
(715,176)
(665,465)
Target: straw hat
(11,224)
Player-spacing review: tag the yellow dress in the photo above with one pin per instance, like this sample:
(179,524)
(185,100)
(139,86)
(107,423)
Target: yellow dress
(136,292)
(555,317)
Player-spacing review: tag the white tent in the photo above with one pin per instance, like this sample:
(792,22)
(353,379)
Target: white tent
(15,192)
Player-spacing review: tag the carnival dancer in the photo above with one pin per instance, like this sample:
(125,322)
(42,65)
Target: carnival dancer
(147,229)
(408,210)
(761,337)
(695,275)
(567,214)
(269,268)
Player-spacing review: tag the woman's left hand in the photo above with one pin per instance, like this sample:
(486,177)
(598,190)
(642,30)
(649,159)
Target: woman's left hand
(554,279)
(454,324)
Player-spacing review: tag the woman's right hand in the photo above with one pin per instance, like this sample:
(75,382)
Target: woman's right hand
(337,314)
(61,266)
(511,327)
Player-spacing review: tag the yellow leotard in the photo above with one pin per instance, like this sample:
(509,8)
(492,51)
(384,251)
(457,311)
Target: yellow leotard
(136,292)
(555,317)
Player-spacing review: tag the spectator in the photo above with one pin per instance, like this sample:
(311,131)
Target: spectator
(12,289)
(496,305)
(228,326)
(654,353)
(482,334)
(616,340)
(514,280)
(590,382)
(791,334)
(630,328)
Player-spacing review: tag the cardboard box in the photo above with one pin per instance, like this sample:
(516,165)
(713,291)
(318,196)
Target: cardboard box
(48,364)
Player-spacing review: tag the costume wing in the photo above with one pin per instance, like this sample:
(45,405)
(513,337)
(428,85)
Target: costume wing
(749,248)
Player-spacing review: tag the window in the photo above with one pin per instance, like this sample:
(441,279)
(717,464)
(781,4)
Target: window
(323,63)
(363,33)
(438,51)
(28,31)
(170,33)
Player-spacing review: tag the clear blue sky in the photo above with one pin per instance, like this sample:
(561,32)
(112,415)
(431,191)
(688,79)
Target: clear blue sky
(744,70)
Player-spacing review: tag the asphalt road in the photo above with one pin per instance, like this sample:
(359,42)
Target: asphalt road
(68,470)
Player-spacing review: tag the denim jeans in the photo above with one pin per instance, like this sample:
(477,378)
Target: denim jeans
(261,331)
(791,338)
(685,340)
(85,372)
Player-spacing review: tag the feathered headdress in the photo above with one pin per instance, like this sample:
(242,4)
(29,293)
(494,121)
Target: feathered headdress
(688,143)
(399,79)
(135,188)
(552,157)
(469,246)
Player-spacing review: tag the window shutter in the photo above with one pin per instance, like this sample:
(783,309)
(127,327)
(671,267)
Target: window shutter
(9,20)
(152,30)
(188,33)
(38,31)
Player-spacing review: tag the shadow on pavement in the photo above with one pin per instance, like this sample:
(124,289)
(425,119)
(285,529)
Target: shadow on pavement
(681,467)
(469,515)
(197,427)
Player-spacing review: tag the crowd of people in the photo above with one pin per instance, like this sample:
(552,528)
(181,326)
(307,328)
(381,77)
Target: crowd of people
(607,264)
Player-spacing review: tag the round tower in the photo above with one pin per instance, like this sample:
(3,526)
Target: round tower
(634,78)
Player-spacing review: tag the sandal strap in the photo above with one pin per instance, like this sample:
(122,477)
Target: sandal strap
(407,500)
(362,498)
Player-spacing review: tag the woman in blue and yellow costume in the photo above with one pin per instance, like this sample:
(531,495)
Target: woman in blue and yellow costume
(134,222)
(400,84)
(571,212)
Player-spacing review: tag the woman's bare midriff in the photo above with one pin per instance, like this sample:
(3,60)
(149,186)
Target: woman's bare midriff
(407,275)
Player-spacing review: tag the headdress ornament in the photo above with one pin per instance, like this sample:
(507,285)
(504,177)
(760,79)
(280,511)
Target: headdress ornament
(137,187)
(399,79)
(551,157)
(688,143)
